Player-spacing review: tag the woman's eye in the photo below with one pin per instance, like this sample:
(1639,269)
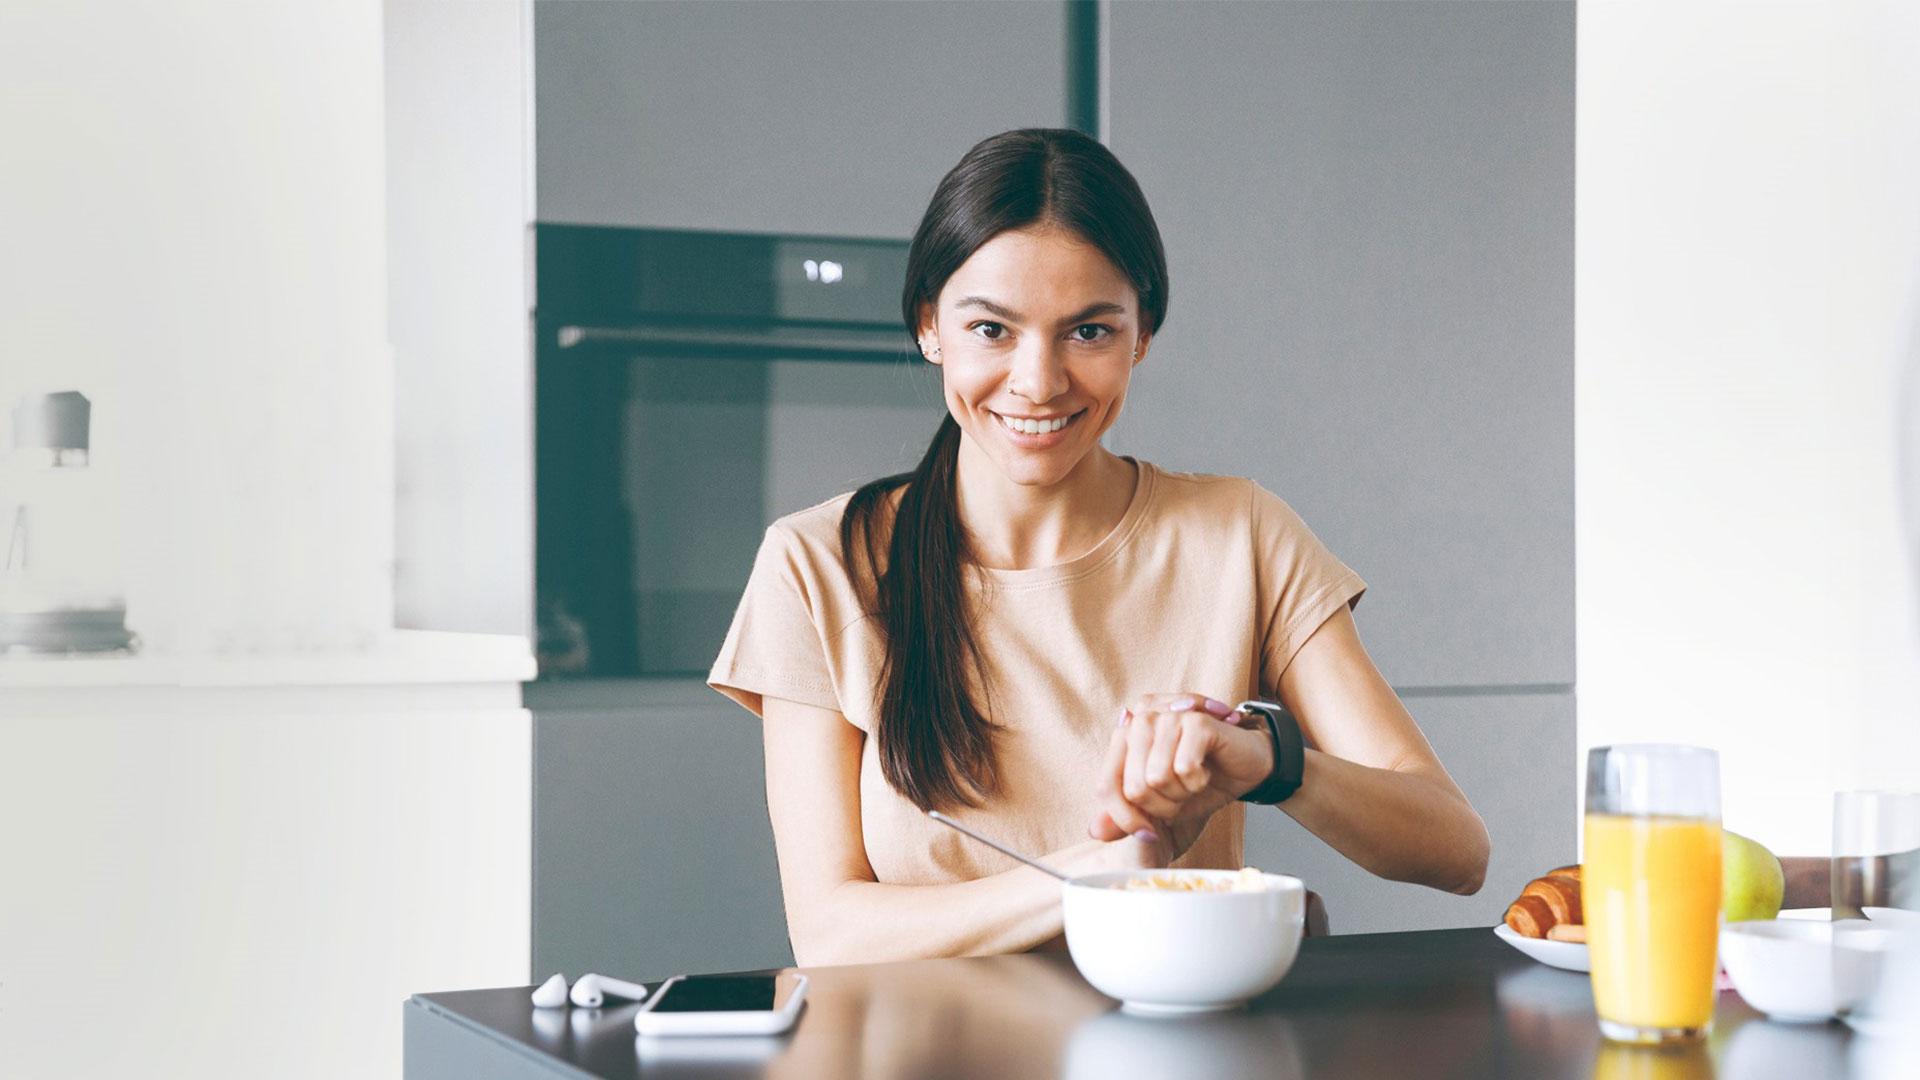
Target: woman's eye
(992,331)
(1092,332)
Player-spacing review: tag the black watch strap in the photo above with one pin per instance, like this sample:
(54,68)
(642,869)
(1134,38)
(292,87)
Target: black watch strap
(1289,753)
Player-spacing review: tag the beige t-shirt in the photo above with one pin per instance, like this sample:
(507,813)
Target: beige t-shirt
(1208,585)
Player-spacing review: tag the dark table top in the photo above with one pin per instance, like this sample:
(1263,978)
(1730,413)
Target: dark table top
(1443,1003)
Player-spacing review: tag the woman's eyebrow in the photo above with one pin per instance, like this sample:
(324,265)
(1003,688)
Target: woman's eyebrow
(1103,307)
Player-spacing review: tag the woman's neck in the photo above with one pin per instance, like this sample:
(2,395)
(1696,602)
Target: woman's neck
(1019,526)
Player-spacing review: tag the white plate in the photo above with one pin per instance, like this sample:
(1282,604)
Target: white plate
(1566,955)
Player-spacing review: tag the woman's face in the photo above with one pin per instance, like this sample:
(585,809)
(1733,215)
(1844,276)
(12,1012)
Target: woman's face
(1036,328)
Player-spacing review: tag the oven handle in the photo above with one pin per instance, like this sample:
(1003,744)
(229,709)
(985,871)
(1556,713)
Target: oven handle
(771,343)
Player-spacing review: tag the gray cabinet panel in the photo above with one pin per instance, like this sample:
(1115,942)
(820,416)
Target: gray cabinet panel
(776,117)
(1368,209)
(1512,756)
(653,856)
(652,853)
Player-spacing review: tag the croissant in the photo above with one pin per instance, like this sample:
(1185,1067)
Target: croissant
(1529,916)
(1561,894)
(1546,903)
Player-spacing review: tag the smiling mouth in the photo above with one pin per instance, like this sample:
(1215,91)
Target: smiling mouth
(1036,427)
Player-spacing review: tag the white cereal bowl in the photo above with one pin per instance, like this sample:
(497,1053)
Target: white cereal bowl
(1165,952)
(1800,971)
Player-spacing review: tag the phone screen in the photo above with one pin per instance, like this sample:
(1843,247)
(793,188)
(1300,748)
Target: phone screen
(718,993)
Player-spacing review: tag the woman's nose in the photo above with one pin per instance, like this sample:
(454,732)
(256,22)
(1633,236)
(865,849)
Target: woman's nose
(1039,375)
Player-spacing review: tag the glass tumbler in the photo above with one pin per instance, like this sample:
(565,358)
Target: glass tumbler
(1650,887)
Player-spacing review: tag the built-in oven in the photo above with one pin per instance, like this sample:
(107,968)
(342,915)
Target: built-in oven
(690,387)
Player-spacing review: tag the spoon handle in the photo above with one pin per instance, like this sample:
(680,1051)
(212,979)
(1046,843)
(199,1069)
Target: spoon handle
(996,845)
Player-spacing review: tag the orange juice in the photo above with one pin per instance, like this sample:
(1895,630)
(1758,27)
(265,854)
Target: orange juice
(1650,887)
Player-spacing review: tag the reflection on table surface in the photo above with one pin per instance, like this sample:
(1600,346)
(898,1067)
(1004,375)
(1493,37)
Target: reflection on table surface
(1034,1016)
(1440,1003)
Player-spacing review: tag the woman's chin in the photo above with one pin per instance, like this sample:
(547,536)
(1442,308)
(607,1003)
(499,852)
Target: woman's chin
(1036,467)
(1039,470)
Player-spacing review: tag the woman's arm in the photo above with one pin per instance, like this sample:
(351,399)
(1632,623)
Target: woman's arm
(838,914)
(1372,788)
(1806,881)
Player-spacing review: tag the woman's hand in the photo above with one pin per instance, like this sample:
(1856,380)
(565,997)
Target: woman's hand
(1172,762)
(1125,853)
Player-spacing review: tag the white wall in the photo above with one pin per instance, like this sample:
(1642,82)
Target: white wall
(459,162)
(194,203)
(1747,274)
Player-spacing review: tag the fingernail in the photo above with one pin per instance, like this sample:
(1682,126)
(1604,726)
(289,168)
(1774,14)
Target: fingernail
(1125,715)
(1219,708)
(1183,704)
(1147,836)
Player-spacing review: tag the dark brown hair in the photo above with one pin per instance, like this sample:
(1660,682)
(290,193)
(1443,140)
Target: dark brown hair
(935,745)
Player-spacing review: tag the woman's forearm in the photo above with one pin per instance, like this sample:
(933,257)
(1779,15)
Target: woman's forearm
(863,922)
(1405,826)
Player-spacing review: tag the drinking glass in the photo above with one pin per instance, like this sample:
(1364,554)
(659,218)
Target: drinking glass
(1876,852)
(1651,889)
(1876,907)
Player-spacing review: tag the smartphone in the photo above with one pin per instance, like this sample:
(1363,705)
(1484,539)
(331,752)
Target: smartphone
(723,1005)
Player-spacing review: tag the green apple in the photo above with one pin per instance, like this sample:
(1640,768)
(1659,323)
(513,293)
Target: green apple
(1751,883)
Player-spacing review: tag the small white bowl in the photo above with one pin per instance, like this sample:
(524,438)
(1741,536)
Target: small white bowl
(1801,971)
(1169,952)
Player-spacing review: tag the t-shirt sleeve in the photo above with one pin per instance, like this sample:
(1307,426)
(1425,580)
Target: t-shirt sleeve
(775,647)
(1301,583)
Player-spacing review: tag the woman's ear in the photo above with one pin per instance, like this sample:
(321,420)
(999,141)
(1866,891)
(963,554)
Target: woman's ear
(1140,348)
(928,334)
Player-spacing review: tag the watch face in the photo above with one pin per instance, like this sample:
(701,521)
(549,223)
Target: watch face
(1289,753)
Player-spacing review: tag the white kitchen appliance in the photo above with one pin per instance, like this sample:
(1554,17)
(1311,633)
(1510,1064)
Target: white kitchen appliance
(60,586)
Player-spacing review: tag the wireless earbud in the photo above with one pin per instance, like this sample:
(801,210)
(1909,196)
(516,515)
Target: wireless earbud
(552,993)
(591,991)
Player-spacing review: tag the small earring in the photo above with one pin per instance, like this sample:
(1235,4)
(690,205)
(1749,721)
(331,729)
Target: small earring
(929,351)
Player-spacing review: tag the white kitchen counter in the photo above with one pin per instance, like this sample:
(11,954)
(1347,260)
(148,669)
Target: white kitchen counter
(406,657)
(299,840)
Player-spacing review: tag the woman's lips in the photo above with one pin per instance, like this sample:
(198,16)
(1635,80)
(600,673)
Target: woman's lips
(1041,440)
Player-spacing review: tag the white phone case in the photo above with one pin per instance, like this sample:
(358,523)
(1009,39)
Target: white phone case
(749,1022)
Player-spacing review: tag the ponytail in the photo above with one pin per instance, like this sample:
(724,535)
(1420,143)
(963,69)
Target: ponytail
(935,746)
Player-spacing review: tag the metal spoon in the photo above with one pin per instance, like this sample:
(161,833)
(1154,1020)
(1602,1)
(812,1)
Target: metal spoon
(996,845)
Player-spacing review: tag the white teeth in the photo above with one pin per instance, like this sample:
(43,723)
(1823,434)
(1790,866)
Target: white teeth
(1034,427)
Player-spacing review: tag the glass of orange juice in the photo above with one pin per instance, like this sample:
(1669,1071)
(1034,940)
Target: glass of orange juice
(1650,888)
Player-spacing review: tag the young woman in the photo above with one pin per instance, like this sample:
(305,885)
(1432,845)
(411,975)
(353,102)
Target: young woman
(1042,638)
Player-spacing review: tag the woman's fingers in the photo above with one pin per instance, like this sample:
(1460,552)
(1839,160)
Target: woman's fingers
(1190,755)
(1179,703)
(1156,762)
(1143,732)
(1159,771)
(1116,817)
(1105,828)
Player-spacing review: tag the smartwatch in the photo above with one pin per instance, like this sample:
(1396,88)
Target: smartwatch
(1289,753)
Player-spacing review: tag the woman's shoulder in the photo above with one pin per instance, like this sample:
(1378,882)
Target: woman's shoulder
(815,529)
(1188,497)
(1212,494)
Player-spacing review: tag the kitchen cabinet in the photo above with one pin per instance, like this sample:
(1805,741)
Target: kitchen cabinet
(1368,211)
(826,118)
(652,850)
